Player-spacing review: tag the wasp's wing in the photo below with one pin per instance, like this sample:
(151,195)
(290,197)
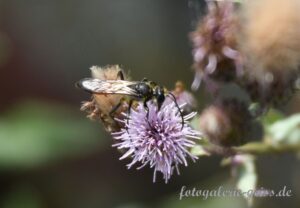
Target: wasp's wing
(97,86)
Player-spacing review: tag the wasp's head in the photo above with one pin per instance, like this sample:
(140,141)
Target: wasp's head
(159,94)
(144,90)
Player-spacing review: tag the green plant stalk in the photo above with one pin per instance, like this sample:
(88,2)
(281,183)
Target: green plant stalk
(259,148)
(254,148)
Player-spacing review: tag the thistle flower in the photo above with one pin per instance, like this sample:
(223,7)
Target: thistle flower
(159,141)
(100,106)
(270,42)
(215,44)
(272,48)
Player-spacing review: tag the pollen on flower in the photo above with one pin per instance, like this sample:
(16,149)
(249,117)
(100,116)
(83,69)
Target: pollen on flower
(159,141)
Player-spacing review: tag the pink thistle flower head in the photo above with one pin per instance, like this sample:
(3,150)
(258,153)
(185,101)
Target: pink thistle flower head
(159,141)
(215,50)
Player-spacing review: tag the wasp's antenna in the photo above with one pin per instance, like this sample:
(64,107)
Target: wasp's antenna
(174,99)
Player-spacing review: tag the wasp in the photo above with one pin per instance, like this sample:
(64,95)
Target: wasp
(143,90)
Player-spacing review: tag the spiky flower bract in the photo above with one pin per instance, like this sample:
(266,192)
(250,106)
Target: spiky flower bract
(158,140)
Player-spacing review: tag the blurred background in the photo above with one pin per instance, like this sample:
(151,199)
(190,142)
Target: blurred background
(51,155)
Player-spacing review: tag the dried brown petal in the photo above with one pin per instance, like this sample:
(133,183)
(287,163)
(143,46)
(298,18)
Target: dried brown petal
(100,107)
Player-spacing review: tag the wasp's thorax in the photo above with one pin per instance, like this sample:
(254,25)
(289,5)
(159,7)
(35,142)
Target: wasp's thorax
(144,90)
(148,90)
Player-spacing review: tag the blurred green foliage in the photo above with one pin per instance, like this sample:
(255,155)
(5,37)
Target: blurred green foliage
(286,131)
(271,117)
(34,133)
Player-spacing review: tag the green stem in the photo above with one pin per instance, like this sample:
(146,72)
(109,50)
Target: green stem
(258,148)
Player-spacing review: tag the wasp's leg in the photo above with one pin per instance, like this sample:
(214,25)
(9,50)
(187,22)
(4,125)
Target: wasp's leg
(115,108)
(129,109)
(121,75)
(146,106)
(179,110)
(147,109)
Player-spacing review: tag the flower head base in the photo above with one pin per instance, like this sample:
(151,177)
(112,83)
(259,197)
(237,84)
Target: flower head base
(159,140)
(226,122)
